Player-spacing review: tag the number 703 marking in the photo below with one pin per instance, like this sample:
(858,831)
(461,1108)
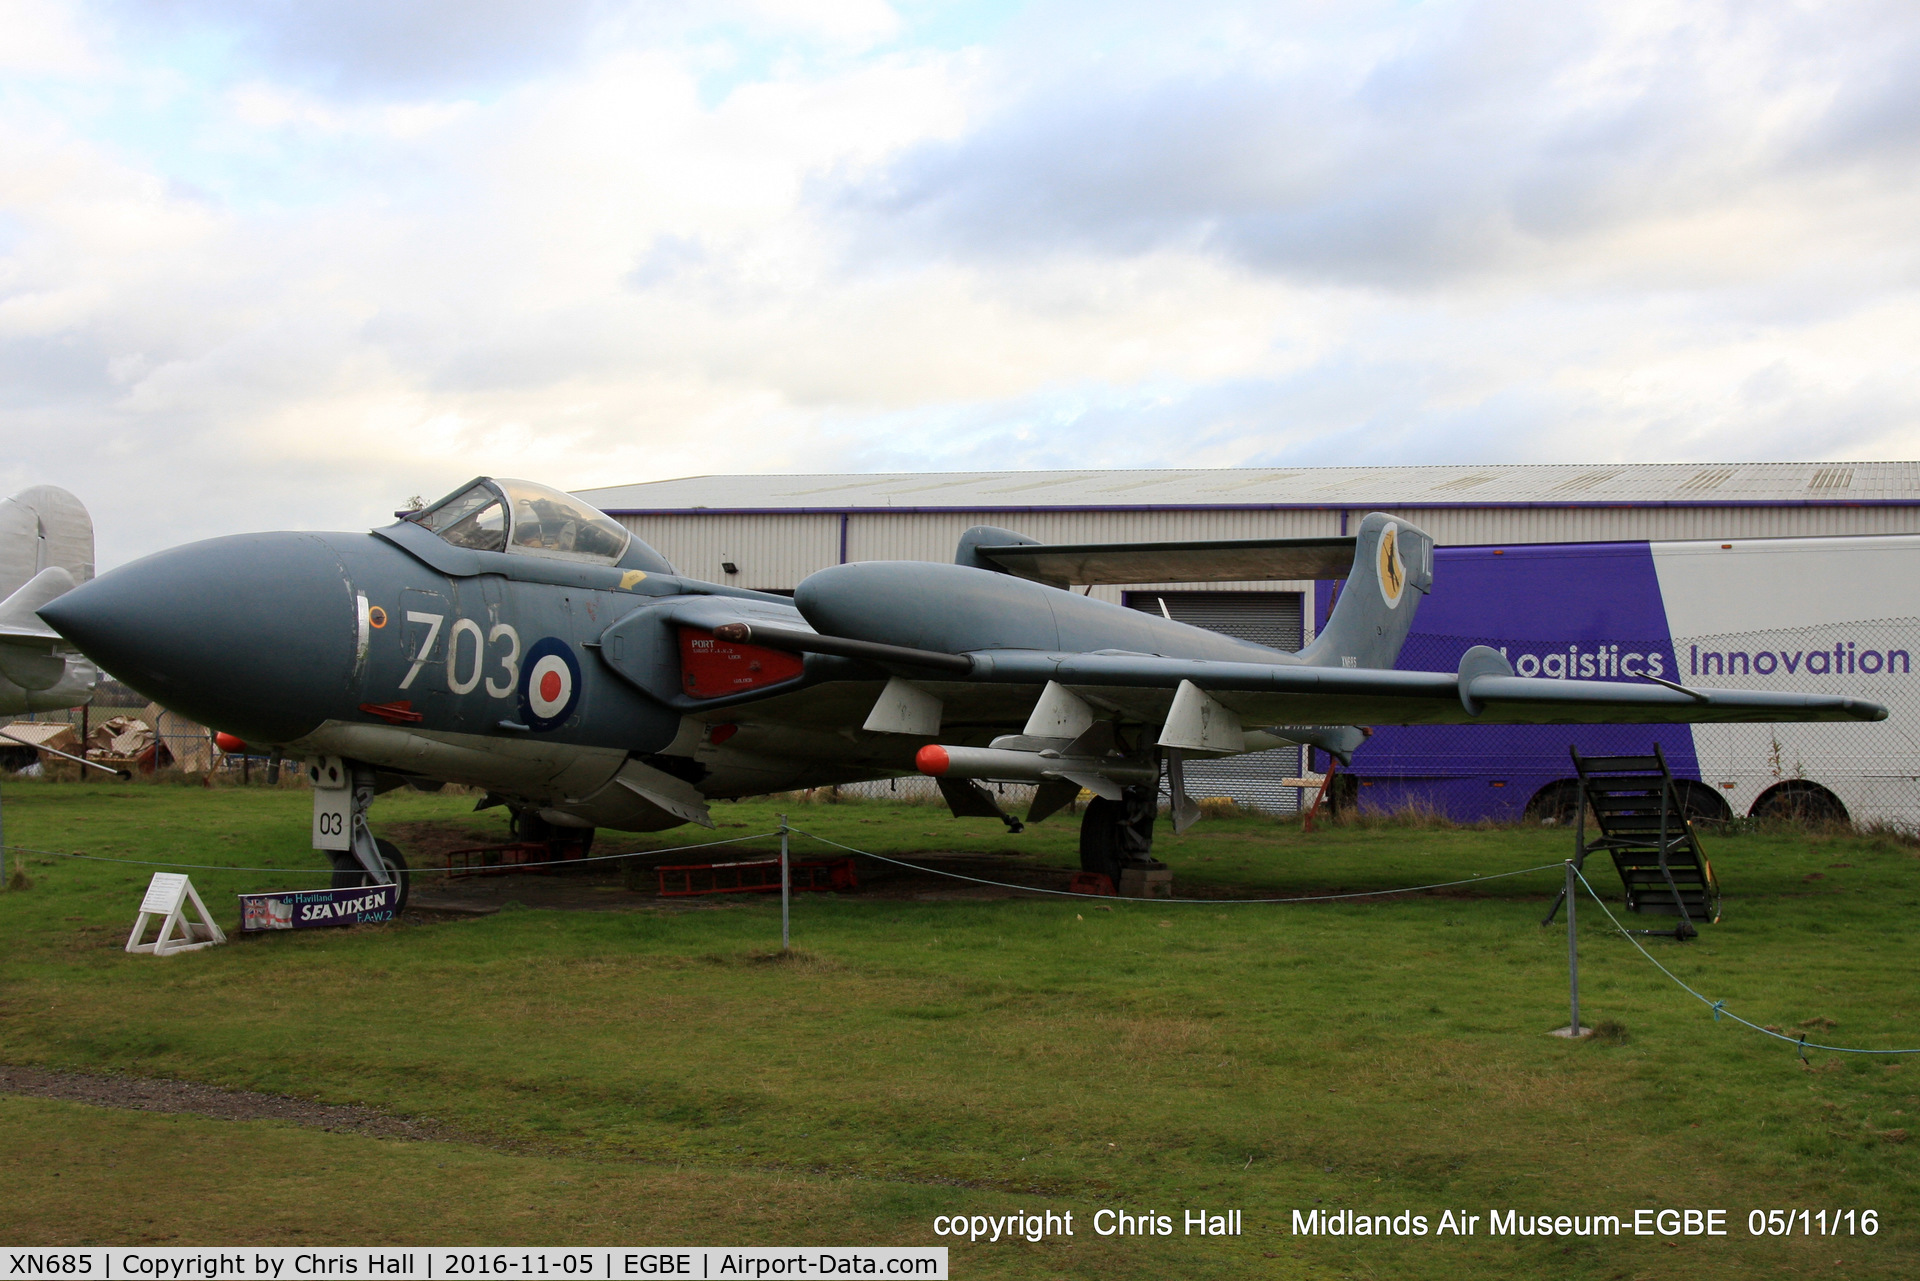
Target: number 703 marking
(507,657)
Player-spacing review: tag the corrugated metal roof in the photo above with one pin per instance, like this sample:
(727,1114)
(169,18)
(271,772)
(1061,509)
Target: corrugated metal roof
(1554,484)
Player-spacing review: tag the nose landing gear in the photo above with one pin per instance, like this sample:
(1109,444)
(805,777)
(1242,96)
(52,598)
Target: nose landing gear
(342,796)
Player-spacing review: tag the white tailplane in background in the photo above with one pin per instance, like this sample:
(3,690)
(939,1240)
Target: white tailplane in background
(46,549)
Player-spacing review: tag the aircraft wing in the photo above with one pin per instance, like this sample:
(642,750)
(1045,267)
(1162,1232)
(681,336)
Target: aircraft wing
(1484,690)
(1261,694)
(1231,560)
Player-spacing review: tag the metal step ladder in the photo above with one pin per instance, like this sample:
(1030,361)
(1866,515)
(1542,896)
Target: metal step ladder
(1643,825)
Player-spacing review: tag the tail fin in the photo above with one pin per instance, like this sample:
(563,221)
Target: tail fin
(988,536)
(1392,569)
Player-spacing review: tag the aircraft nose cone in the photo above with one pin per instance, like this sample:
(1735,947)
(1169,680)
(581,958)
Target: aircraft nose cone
(255,634)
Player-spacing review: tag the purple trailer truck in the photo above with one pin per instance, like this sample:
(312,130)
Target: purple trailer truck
(1839,615)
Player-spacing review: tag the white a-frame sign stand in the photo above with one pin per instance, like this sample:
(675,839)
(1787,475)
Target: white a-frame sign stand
(168,896)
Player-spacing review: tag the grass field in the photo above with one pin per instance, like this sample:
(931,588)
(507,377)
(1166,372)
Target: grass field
(659,1075)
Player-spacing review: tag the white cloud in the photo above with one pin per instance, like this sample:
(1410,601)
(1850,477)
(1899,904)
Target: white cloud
(272,271)
(851,24)
(42,39)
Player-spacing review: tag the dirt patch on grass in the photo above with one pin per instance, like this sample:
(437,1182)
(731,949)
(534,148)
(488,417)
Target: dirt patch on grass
(426,842)
(142,1094)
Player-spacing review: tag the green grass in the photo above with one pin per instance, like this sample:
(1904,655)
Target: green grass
(646,1075)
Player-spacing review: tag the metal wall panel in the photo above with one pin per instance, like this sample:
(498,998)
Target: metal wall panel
(1275,619)
(776,550)
(773,552)
(934,535)
(1348,486)
(1468,526)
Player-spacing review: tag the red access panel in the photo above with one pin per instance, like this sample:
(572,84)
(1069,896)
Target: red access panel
(710,667)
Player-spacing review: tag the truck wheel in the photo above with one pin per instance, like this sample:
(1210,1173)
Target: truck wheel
(1802,803)
(1555,805)
(1703,804)
(351,876)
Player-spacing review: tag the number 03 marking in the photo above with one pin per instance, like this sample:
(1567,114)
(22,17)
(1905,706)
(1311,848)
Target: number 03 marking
(509,661)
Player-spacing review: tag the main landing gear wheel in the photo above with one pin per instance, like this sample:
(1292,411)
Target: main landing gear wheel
(1117,834)
(561,842)
(349,875)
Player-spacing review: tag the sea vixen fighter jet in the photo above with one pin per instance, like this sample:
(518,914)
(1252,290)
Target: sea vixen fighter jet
(513,638)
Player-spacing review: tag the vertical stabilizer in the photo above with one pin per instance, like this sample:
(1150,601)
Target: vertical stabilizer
(1392,570)
(41,528)
(988,536)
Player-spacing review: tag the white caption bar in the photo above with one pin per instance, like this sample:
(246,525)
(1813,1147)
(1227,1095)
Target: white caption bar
(370,1263)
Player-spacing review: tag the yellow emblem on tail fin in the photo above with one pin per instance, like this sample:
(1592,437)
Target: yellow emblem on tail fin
(1393,574)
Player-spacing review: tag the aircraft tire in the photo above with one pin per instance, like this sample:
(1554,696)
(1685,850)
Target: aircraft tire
(353,876)
(1115,834)
(1100,838)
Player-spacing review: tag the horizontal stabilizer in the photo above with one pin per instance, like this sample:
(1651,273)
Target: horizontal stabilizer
(28,655)
(1219,561)
(19,613)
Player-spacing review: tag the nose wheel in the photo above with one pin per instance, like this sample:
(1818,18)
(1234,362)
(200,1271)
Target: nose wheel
(348,874)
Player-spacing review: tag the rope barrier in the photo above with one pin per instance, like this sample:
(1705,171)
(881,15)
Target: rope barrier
(1716,1007)
(1216,902)
(882,858)
(1720,1007)
(412,871)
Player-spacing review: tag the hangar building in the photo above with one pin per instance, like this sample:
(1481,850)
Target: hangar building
(769,532)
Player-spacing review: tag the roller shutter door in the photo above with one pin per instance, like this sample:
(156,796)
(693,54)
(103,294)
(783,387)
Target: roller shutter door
(1274,619)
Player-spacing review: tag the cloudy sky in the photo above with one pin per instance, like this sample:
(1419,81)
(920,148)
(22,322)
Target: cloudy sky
(282,264)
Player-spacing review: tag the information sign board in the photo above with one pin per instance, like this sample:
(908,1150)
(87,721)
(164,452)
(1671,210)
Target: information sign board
(164,893)
(171,896)
(310,909)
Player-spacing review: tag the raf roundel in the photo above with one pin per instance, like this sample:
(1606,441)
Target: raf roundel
(550,686)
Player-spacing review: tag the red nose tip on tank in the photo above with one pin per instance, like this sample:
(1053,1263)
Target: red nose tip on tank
(932,759)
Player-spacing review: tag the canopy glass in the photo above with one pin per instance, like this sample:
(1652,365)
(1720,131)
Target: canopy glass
(519,516)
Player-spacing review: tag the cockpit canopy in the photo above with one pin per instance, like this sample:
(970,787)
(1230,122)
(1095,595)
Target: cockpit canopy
(520,517)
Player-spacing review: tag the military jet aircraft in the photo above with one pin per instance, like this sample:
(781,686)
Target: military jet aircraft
(46,547)
(511,637)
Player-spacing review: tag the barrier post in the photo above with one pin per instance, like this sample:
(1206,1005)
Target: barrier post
(1573,955)
(786,885)
(1573,1030)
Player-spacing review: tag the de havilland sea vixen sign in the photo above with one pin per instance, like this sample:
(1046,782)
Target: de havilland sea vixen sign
(513,638)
